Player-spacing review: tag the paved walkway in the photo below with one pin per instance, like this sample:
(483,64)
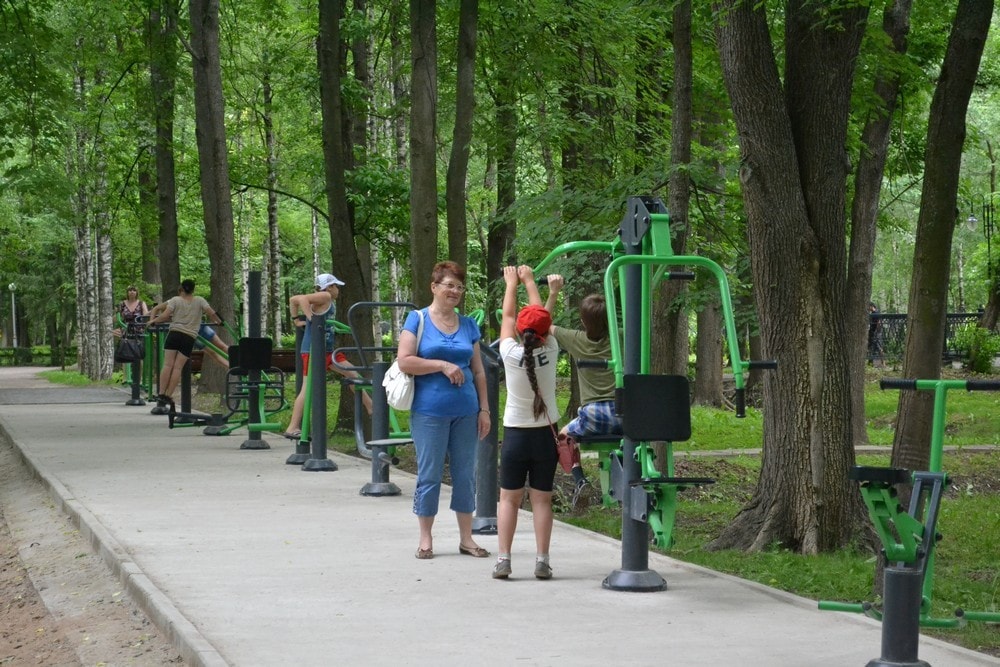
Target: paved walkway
(244,560)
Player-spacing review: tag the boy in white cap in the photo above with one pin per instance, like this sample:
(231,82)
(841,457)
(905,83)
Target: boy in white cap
(322,303)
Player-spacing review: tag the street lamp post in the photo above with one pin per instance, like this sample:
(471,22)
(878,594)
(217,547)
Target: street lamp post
(13,312)
(986,210)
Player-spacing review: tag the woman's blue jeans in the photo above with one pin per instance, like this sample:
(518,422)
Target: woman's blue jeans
(436,438)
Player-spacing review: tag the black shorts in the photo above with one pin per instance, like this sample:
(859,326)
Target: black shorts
(528,454)
(181,342)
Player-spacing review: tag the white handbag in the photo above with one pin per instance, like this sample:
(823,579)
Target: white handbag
(398,385)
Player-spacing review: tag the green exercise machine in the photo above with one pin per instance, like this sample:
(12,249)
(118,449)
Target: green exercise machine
(909,537)
(653,408)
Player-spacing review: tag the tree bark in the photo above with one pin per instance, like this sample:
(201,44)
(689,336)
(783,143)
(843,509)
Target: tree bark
(275,304)
(423,156)
(671,355)
(163,75)
(458,165)
(935,227)
(793,175)
(500,237)
(708,367)
(864,212)
(213,160)
(338,148)
(88,354)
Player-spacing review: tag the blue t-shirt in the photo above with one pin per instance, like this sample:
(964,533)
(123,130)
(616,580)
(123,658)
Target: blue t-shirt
(435,395)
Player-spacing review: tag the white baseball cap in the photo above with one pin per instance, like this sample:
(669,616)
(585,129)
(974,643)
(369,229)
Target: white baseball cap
(324,280)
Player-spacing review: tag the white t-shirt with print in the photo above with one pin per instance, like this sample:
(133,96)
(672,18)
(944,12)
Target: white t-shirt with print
(520,398)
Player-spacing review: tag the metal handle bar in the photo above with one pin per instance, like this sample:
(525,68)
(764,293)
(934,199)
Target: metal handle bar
(931,385)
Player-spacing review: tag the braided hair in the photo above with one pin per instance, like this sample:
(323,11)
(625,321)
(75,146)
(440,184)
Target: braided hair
(531,343)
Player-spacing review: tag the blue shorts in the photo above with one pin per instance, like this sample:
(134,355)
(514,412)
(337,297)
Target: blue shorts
(595,419)
(204,332)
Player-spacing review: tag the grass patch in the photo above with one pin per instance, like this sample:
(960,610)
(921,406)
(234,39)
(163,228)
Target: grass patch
(70,378)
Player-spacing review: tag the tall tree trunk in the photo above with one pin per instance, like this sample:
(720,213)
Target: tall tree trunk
(148,228)
(217,206)
(397,58)
(337,160)
(275,304)
(458,165)
(935,228)
(423,162)
(355,131)
(163,75)
(102,242)
(708,366)
(500,237)
(864,212)
(794,179)
(671,356)
(88,351)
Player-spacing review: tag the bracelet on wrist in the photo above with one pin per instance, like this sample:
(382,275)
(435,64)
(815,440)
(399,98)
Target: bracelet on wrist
(484,410)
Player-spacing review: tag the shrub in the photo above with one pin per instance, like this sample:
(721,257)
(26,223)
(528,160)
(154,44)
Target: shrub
(979,345)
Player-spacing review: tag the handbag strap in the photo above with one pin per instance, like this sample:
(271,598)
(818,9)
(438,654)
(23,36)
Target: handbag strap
(420,329)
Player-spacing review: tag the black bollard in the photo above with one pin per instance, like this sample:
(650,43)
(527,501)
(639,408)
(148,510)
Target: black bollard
(487,480)
(902,592)
(318,461)
(380,443)
(254,439)
(134,332)
(184,414)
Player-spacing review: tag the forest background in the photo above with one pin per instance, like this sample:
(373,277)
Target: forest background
(825,153)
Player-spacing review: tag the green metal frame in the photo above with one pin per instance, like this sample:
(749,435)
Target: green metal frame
(657,252)
(902,535)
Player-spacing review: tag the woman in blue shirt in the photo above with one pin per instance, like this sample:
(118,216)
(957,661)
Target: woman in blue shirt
(450,412)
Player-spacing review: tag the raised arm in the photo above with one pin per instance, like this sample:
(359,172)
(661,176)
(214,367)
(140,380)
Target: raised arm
(527,276)
(556,283)
(509,313)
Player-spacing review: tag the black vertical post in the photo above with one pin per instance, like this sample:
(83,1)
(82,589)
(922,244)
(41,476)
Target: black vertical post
(318,460)
(487,479)
(185,392)
(379,444)
(254,439)
(135,399)
(902,591)
(634,574)
(133,331)
(380,403)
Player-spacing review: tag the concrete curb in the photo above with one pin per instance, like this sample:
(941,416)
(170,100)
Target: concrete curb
(189,642)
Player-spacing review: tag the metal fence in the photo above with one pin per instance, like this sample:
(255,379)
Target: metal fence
(890,332)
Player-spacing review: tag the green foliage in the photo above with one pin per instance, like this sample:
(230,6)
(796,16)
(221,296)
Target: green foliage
(979,345)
